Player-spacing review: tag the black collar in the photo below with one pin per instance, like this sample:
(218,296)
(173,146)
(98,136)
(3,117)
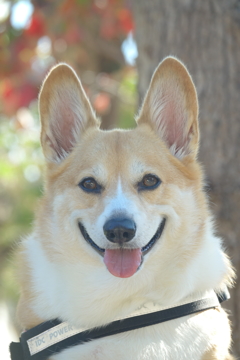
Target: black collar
(53,336)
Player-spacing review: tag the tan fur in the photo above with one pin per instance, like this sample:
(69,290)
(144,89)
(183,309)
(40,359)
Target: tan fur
(211,355)
(47,99)
(182,80)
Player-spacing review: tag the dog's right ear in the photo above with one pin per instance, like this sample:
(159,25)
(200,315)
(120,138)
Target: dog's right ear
(65,112)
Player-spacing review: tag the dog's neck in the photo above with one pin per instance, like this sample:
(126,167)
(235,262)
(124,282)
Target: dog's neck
(152,306)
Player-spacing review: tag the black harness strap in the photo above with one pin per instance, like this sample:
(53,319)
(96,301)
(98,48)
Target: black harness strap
(22,350)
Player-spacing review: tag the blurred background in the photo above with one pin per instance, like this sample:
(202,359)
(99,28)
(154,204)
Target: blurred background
(114,46)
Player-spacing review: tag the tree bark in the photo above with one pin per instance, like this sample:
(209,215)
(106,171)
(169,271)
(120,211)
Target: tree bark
(205,35)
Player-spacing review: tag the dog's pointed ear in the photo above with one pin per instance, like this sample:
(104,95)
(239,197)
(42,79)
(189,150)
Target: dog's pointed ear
(171,108)
(65,112)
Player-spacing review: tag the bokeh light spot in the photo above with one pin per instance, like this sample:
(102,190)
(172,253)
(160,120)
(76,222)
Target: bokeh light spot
(21,13)
(32,173)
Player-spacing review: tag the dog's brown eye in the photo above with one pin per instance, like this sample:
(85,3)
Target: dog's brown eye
(90,185)
(149,182)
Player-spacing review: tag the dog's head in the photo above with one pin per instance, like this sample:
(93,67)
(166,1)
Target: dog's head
(125,203)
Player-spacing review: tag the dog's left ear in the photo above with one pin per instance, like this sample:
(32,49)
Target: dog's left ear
(65,112)
(171,108)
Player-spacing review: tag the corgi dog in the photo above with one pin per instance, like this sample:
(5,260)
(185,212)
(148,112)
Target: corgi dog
(124,225)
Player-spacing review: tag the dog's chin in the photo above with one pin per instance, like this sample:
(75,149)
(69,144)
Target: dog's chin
(145,249)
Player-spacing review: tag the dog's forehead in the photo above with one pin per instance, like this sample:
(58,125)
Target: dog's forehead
(119,151)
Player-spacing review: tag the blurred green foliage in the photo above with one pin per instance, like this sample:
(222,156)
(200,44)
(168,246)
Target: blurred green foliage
(21,164)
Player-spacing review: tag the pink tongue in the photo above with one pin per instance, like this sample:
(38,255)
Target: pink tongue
(122,262)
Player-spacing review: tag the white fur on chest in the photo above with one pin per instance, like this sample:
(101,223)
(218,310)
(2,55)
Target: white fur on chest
(180,339)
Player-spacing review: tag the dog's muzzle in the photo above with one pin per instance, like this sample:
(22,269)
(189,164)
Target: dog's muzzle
(120,232)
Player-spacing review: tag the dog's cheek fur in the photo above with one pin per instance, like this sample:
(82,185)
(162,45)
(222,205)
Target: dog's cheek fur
(187,251)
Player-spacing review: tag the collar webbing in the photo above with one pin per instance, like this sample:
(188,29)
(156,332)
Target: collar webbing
(53,336)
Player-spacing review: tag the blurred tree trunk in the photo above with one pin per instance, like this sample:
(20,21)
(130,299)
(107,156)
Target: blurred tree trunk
(205,35)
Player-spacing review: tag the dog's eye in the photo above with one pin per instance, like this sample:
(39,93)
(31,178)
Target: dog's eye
(149,182)
(90,185)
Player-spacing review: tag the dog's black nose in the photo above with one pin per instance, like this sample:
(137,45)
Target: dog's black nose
(119,230)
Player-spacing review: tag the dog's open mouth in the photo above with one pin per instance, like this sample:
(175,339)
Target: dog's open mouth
(123,262)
